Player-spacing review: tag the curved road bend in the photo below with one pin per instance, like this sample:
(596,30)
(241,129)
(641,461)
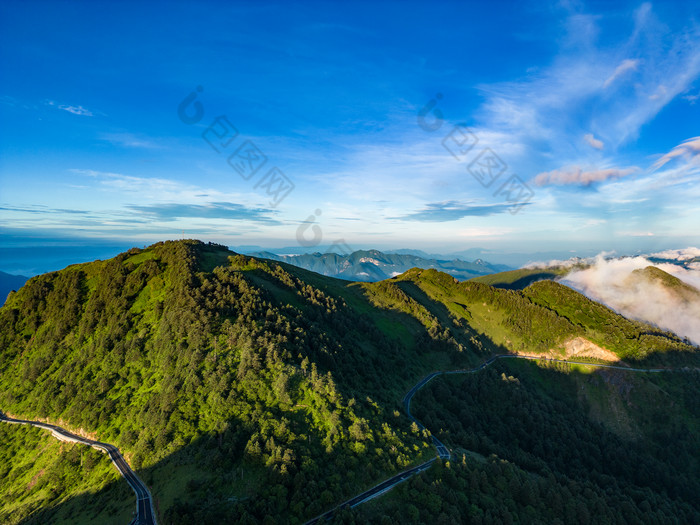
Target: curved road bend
(145,515)
(441,449)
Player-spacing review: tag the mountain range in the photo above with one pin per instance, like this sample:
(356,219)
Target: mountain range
(247,390)
(373,265)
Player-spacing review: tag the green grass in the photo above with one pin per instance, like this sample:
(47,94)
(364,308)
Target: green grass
(519,279)
(43,480)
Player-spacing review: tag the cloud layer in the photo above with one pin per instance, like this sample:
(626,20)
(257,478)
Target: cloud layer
(578,176)
(689,149)
(609,281)
(213,210)
(454,210)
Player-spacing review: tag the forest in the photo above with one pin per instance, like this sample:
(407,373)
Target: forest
(244,390)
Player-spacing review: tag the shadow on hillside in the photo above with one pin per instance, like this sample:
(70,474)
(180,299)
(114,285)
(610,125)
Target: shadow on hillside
(204,483)
(191,474)
(670,359)
(590,427)
(224,487)
(524,282)
(465,332)
(107,506)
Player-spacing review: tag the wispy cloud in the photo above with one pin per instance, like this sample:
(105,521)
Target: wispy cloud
(578,176)
(626,65)
(453,211)
(589,89)
(689,149)
(593,142)
(75,110)
(145,187)
(214,210)
(129,140)
(40,209)
(692,98)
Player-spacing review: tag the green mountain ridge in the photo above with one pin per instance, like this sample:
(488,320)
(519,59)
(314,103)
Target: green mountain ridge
(245,390)
(520,278)
(671,283)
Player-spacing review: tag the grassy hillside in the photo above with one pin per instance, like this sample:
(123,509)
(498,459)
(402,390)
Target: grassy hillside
(244,390)
(672,284)
(45,481)
(538,319)
(521,278)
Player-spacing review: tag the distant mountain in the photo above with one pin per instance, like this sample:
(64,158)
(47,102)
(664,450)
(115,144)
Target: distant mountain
(687,263)
(373,265)
(671,283)
(8,283)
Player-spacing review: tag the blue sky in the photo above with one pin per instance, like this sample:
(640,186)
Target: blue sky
(588,113)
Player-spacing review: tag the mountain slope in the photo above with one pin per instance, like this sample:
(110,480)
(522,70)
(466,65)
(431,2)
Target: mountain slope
(519,279)
(242,389)
(673,285)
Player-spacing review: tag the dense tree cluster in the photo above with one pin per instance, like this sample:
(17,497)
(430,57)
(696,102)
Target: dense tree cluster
(536,420)
(275,393)
(158,355)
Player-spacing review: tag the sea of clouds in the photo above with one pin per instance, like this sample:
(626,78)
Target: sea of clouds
(607,280)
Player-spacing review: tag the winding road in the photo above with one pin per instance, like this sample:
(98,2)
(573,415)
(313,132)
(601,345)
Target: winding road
(442,451)
(145,515)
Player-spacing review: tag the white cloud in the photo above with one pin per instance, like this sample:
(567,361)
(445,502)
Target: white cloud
(593,142)
(626,65)
(692,98)
(583,88)
(637,234)
(610,282)
(659,93)
(129,140)
(76,110)
(576,175)
(127,189)
(679,255)
(689,149)
(483,232)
